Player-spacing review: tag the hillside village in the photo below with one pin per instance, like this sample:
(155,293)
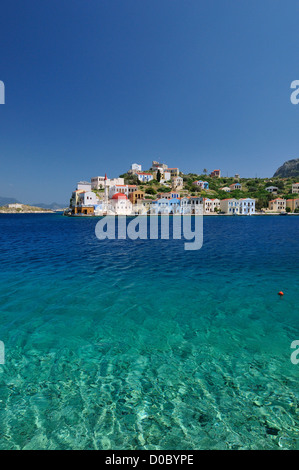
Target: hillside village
(165,190)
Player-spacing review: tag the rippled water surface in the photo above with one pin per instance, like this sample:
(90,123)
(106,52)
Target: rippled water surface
(142,345)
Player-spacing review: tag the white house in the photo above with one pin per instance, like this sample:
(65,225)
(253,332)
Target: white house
(135,167)
(209,205)
(226,189)
(196,204)
(216,204)
(295,188)
(87,198)
(84,186)
(272,189)
(247,206)
(166,175)
(177,182)
(235,186)
(98,182)
(145,177)
(185,205)
(126,189)
(15,206)
(120,204)
(201,184)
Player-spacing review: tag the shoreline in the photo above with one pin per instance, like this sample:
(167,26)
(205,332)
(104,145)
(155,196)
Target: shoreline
(176,215)
(27,212)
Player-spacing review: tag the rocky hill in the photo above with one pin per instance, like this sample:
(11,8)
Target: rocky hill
(23,209)
(289,169)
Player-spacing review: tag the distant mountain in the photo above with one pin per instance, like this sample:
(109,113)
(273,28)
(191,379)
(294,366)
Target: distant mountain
(289,169)
(54,206)
(8,200)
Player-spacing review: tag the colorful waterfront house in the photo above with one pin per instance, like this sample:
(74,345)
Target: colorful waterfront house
(247,206)
(87,198)
(99,208)
(136,196)
(126,189)
(215,174)
(201,184)
(229,206)
(74,199)
(235,186)
(166,206)
(160,206)
(185,205)
(226,189)
(174,206)
(295,188)
(147,204)
(196,204)
(277,205)
(120,204)
(215,204)
(84,210)
(272,189)
(293,204)
(145,177)
(139,209)
(86,202)
(207,205)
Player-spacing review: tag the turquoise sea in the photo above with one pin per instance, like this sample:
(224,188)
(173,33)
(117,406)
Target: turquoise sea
(140,344)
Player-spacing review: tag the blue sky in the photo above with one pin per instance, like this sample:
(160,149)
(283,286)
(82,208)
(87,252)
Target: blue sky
(93,86)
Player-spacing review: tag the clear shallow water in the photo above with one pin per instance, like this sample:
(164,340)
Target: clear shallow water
(142,345)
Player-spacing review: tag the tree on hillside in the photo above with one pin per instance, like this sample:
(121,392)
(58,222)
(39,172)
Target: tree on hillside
(130,178)
(205,171)
(150,191)
(158,176)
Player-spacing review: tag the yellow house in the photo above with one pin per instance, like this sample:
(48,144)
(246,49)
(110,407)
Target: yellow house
(277,205)
(174,172)
(293,204)
(136,196)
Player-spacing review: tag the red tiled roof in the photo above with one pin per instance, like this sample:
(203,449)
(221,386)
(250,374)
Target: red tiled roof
(119,196)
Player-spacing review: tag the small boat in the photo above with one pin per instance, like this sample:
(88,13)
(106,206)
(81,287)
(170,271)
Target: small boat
(283,213)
